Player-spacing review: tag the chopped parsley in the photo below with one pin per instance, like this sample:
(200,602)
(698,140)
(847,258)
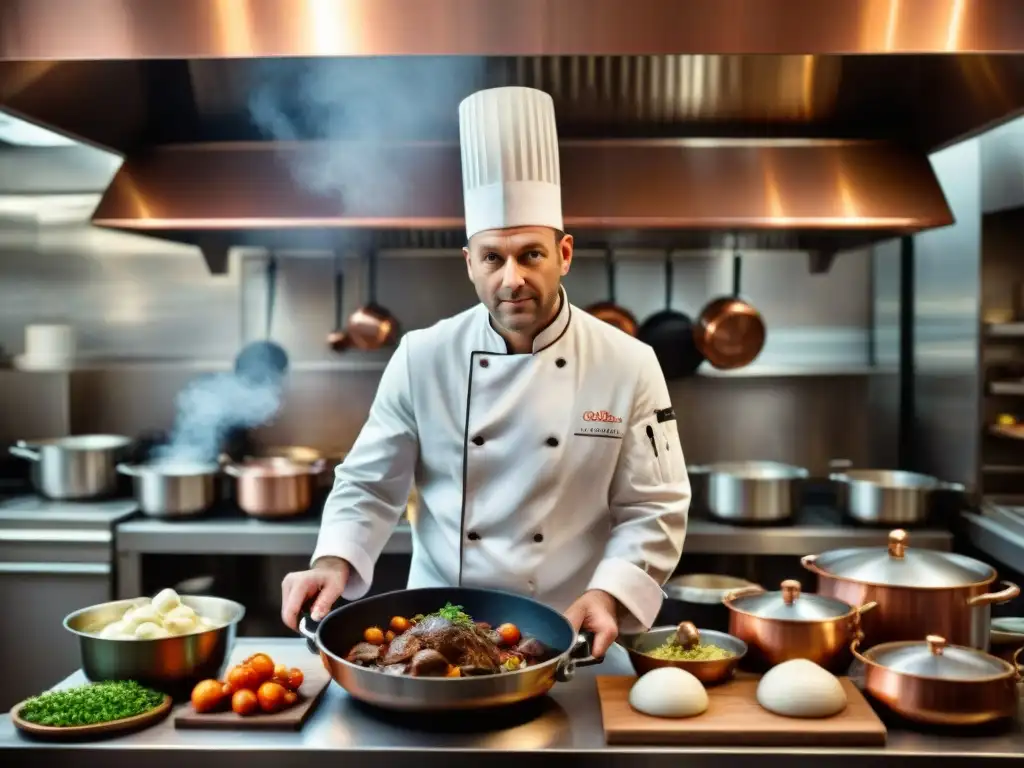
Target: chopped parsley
(90,704)
(454,614)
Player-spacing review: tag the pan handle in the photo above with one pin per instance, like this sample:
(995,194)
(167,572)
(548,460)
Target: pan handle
(307,628)
(1009,591)
(23,452)
(578,656)
(737,270)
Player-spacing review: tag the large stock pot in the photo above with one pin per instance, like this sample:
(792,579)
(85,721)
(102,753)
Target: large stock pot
(943,593)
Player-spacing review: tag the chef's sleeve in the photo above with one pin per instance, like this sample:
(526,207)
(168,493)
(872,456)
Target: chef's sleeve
(649,502)
(371,487)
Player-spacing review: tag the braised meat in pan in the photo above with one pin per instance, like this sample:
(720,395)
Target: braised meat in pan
(447,643)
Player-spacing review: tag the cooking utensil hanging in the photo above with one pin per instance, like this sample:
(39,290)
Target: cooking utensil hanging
(730,332)
(338,339)
(609,311)
(264,360)
(372,326)
(671,334)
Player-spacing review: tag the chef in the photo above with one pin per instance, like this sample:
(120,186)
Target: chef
(541,440)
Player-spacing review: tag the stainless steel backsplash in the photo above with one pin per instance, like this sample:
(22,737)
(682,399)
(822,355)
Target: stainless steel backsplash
(149,317)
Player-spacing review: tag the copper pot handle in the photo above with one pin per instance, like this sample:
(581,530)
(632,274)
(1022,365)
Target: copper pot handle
(753,589)
(1009,592)
(1017,666)
(855,648)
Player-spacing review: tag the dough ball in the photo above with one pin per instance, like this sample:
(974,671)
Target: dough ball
(668,692)
(166,600)
(150,631)
(180,612)
(117,630)
(179,625)
(141,615)
(801,688)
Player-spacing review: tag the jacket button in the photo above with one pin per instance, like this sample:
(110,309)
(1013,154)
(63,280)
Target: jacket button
(538,537)
(552,441)
(484,362)
(473,536)
(478,440)
(560,362)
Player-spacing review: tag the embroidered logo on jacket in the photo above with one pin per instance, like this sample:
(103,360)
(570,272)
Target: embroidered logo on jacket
(599,424)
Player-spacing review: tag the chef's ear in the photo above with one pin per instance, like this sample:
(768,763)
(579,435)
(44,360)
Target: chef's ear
(565,246)
(465,254)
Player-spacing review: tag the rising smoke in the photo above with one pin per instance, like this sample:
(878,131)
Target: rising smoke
(209,407)
(364,102)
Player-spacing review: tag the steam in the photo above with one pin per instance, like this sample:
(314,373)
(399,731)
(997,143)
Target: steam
(209,407)
(369,101)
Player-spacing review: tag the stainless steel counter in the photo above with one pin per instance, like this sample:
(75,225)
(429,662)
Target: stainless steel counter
(564,729)
(815,531)
(998,531)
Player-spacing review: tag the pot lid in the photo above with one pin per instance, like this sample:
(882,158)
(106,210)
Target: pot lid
(789,604)
(703,588)
(897,565)
(935,658)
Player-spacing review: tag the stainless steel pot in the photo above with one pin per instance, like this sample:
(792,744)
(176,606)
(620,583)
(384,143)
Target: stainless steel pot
(172,664)
(936,683)
(914,588)
(754,491)
(888,497)
(168,489)
(697,598)
(784,625)
(77,467)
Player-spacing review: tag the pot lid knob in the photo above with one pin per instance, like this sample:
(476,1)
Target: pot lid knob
(687,635)
(790,591)
(936,644)
(897,543)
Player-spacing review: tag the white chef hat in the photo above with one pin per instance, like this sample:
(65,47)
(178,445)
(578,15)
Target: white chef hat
(510,173)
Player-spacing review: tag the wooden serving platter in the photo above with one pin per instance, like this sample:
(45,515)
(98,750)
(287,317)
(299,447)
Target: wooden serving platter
(97,730)
(735,718)
(315,682)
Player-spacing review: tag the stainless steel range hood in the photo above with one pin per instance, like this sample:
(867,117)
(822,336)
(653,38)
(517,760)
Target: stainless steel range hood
(288,122)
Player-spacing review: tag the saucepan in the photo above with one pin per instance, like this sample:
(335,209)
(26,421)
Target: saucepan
(937,683)
(76,467)
(340,630)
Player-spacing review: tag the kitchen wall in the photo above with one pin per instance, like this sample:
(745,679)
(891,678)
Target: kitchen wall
(138,303)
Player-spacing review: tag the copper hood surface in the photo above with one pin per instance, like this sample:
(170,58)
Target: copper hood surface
(286,122)
(849,192)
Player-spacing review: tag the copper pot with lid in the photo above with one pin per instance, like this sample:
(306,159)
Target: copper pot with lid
(938,683)
(274,487)
(784,625)
(913,588)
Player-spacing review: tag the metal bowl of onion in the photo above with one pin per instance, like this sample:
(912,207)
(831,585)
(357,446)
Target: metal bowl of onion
(169,661)
(708,655)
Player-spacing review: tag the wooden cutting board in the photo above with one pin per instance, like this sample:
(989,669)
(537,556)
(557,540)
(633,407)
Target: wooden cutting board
(315,682)
(734,717)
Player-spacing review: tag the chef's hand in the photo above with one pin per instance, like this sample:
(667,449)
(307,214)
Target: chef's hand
(595,611)
(325,581)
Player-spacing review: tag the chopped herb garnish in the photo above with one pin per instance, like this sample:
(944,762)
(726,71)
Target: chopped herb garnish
(454,614)
(90,704)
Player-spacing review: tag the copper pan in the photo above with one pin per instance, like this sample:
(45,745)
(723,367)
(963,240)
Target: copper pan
(609,311)
(372,326)
(730,332)
(819,628)
(939,684)
(338,339)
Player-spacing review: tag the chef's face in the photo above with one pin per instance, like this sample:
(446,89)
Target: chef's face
(517,273)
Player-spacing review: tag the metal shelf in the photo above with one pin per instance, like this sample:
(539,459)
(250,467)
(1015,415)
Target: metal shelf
(1006,387)
(1013,330)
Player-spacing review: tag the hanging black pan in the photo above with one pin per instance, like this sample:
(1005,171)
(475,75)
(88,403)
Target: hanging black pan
(334,638)
(609,311)
(671,334)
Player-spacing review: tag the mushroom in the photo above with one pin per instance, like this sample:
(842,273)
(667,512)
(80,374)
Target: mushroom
(687,635)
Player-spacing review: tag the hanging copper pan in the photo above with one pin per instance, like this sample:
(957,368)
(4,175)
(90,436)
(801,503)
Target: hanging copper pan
(609,311)
(730,332)
(372,326)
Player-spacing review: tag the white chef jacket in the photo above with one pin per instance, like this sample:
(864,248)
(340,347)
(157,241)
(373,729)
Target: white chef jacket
(545,474)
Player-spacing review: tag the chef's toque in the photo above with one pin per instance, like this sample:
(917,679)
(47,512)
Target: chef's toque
(510,173)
